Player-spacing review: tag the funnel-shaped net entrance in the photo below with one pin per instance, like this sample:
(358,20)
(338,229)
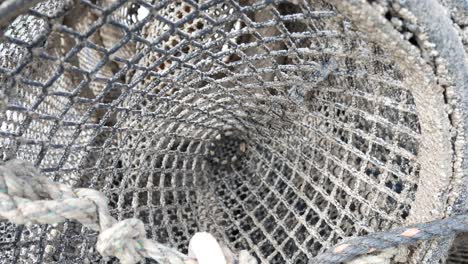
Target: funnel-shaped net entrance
(279,127)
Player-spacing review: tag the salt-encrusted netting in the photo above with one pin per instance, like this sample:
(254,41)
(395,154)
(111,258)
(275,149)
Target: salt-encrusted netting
(277,126)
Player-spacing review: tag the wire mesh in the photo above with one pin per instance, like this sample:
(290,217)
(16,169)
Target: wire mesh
(277,126)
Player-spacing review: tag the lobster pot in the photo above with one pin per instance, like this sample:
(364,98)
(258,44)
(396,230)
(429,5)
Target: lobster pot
(280,127)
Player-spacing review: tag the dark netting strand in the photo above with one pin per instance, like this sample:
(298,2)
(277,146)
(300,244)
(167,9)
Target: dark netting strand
(280,127)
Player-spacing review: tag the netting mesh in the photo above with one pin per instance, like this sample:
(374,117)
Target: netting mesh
(277,126)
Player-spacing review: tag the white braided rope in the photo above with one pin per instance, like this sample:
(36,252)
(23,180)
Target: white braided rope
(26,197)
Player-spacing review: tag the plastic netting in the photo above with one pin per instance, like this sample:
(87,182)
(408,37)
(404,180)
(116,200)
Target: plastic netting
(278,126)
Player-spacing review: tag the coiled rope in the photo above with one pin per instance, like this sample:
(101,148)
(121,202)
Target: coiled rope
(26,197)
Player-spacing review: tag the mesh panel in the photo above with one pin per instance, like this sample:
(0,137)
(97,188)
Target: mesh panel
(278,127)
(458,253)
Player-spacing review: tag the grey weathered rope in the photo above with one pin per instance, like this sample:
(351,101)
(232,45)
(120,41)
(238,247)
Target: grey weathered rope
(29,198)
(26,197)
(355,247)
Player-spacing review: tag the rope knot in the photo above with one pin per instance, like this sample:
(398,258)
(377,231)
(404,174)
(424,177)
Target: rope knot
(103,219)
(123,240)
